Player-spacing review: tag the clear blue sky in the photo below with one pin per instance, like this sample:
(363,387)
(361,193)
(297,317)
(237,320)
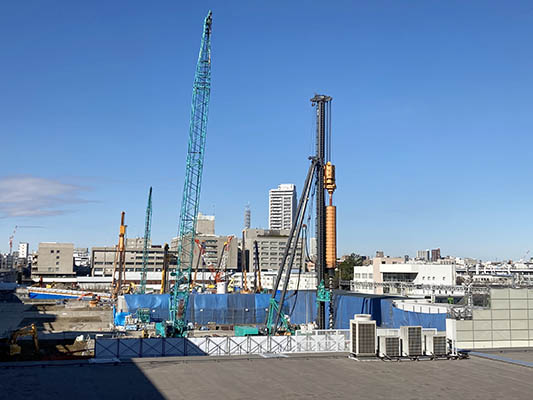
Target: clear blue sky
(432,118)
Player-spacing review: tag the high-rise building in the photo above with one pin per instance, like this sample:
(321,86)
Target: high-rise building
(435,255)
(282,207)
(24,249)
(423,255)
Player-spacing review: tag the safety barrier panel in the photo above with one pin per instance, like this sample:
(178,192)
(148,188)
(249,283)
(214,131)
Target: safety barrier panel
(218,346)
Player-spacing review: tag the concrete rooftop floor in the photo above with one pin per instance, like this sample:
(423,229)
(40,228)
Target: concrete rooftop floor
(295,377)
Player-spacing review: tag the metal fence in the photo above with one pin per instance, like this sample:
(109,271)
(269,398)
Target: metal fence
(218,346)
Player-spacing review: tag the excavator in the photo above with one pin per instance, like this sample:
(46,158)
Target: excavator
(30,330)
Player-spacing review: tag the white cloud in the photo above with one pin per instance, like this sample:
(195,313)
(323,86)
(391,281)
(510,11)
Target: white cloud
(28,196)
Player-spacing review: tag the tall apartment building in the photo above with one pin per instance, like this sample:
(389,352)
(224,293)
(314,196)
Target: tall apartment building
(271,244)
(282,207)
(54,259)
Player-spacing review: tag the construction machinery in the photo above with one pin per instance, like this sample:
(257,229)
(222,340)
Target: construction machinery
(244,288)
(120,259)
(201,252)
(164,271)
(257,269)
(12,237)
(147,232)
(322,173)
(176,326)
(31,330)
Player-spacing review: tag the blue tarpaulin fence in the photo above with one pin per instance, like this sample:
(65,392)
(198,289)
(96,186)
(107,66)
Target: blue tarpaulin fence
(238,308)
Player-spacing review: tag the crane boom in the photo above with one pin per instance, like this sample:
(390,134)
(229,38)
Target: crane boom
(147,232)
(191,188)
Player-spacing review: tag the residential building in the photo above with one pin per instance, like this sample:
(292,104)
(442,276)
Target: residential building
(24,250)
(435,255)
(7,261)
(282,207)
(423,255)
(271,245)
(54,259)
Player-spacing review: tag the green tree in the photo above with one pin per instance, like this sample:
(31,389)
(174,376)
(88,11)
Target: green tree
(345,268)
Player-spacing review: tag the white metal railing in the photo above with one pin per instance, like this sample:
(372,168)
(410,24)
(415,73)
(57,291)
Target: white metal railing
(219,346)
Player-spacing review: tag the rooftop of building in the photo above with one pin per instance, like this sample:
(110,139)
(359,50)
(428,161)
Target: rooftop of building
(316,376)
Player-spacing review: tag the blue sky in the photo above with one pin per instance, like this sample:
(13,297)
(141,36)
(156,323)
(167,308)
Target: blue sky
(431,115)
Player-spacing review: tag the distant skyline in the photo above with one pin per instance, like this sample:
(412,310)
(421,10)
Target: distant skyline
(431,118)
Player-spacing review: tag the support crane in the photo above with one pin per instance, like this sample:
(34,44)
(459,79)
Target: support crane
(147,232)
(12,237)
(176,326)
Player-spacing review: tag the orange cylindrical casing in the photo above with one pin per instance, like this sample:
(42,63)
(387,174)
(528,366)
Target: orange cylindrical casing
(331,237)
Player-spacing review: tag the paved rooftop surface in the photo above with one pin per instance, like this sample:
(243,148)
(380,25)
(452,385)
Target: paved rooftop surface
(293,377)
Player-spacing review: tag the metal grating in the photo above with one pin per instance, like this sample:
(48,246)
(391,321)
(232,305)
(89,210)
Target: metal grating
(439,345)
(392,346)
(414,341)
(367,338)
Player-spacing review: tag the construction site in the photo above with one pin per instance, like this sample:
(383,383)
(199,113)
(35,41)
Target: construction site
(196,326)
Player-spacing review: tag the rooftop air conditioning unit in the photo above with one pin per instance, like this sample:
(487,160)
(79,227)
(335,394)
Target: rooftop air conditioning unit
(362,335)
(411,340)
(389,342)
(436,345)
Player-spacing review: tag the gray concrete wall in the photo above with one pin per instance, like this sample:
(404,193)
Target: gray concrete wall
(507,323)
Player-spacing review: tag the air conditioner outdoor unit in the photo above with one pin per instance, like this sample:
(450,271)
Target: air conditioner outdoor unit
(389,342)
(436,345)
(363,335)
(411,340)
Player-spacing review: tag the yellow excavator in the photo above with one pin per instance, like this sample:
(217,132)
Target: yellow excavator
(31,330)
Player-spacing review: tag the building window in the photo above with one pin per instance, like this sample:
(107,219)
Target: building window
(51,251)
(57,262)
(57,257)
(57,251)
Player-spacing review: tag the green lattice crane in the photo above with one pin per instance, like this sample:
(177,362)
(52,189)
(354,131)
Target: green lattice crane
(147,232)
(179,296)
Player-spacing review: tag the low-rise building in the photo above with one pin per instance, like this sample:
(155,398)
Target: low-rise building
(383,274)
(54,259)
(306,280)
(213,247)
(271,245)
(103,258)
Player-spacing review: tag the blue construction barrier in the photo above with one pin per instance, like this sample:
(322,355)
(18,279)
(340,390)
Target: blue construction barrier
(239,308)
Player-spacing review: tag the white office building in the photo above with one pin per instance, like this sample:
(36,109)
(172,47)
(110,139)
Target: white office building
(282,206)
